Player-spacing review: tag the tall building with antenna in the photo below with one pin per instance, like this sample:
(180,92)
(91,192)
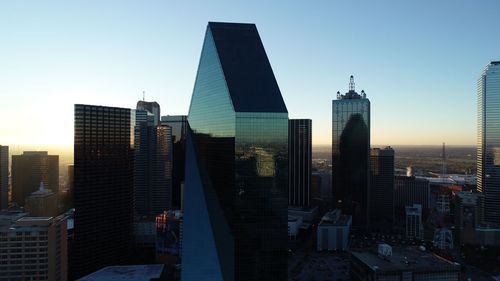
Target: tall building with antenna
(351,154)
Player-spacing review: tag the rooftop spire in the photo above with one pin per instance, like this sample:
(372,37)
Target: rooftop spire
(351,84)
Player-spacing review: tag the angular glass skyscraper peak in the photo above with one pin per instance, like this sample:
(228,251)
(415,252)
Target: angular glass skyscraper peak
(351,154)
(235,202)
(488,140)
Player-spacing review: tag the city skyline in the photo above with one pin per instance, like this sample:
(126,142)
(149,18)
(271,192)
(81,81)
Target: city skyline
(417,61)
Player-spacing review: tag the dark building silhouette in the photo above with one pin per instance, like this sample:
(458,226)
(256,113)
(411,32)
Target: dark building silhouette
(382,189)
(351,155)
(31,168)
(299,162)
(236,190)
(488,140)
(4,177)
(103,167)
(153,162)
(179,125)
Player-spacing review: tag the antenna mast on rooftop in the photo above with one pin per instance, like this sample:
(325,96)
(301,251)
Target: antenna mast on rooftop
(351,84)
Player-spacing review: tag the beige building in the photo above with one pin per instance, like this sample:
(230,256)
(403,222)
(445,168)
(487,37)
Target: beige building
(42,203)
(32,248)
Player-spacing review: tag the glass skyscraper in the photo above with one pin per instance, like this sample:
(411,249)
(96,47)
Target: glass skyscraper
(300,162)
(351,154)
(236,190)
(488,140)
(382,189)
(152,163)
(4,177)
(103,167)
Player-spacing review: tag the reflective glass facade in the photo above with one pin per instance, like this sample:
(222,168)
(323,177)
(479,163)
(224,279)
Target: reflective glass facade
(103,170)
(488,140)
(351,155)
(236,163)
(300,162)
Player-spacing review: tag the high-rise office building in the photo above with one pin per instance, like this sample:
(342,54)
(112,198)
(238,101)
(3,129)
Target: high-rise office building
(488,140)
(299,162)
(153,162)
(42,203)
(411,190)
(4,177)
(31,168)
(469,214)
(235,213)
(382,188)
(153,108)
(179,125)
(103,167)
(33,248)
(351,155)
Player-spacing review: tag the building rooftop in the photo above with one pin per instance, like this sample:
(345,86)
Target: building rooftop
(335,218)
(126,273)
(247,71)
(404,259)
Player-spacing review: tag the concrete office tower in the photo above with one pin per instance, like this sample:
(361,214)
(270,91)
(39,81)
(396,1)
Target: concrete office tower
(469,214)
(104,162)
(236,190)
(152,164)
(414,226)
(488,140)
(179,125)
(42,203)
(411,190)
(299,162)
(33,248)
(4,177)
(31,168)
(351,155)
(382,189)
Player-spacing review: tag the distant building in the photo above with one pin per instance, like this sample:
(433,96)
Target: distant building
(31,168)
(414,226)
(333,231)
(382,189)
(4,177)
(488,137)
(148,272)
(42,203)
(152,162)
(469,214)
(179,125)
(443,239)
(351,154)
(33,248)
(299,162)
(294,223)
(443,203)
(411,190)
(408,263)
(104,165)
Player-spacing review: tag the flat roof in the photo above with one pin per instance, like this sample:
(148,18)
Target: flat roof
(128,273)
(404,259)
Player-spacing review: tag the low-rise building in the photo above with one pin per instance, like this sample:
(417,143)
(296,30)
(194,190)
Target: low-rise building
(148,272)
(401,263)
(333,231)
(294,223)
(33,248)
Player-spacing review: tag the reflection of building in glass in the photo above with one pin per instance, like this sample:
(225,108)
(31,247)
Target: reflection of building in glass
(488,137)
(178,123)
(31,168)
(235,213)
(382,189)
(299,162)
(4,177)
(414,226)
(152,162)
(104,170)
(351,154)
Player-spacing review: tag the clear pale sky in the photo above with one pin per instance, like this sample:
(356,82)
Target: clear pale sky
(418,61)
